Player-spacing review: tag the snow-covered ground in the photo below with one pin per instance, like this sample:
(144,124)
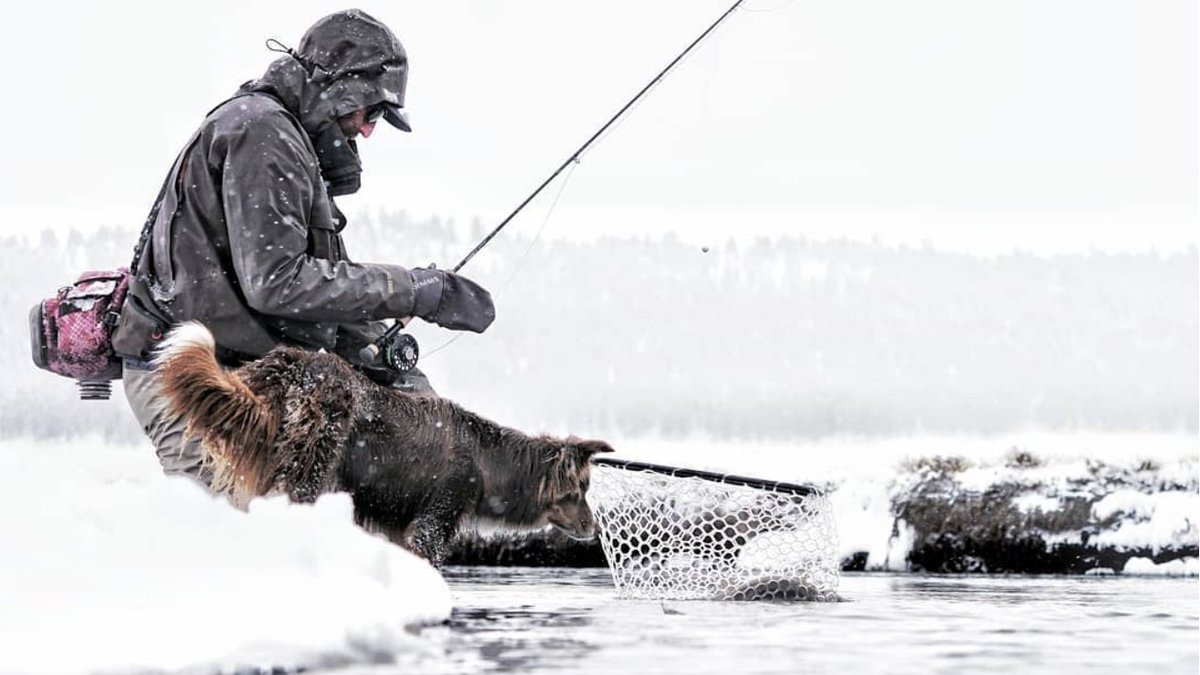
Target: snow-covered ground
(109,566)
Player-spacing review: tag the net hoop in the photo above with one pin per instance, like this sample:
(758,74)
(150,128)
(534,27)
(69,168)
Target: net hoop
(726,478)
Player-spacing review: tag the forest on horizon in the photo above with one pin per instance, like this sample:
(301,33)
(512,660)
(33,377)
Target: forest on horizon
(774,338)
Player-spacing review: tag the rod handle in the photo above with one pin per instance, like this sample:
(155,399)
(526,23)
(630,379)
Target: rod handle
(371,352)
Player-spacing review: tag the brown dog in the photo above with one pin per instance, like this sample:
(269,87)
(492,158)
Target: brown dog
(417,468)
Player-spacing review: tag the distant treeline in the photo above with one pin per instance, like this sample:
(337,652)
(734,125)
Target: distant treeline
(775,338)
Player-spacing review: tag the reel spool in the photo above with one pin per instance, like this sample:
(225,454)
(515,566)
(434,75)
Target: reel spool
(401,352)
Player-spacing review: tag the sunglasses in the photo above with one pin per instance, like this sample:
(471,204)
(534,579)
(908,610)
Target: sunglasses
(375,112)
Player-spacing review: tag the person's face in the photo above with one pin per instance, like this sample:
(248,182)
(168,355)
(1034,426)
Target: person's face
(358,122)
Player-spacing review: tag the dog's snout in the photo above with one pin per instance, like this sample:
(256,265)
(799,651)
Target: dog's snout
(587,522)
(574,519)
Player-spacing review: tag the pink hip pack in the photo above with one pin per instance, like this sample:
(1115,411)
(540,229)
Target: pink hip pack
(72,330)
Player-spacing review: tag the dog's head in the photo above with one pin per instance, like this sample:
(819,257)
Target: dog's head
(564,490)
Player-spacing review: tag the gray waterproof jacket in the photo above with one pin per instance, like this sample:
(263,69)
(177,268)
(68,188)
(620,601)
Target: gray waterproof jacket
(247,240)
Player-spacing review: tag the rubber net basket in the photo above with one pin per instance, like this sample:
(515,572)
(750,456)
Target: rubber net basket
(679,534)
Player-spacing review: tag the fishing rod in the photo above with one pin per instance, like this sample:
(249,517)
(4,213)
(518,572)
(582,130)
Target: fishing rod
(400,350)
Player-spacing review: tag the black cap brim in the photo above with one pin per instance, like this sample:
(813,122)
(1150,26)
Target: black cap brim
(396,116)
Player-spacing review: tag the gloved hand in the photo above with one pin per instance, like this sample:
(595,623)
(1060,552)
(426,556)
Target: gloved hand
(451,301)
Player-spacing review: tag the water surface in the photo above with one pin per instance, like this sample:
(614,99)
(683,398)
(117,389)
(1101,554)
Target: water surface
(567,620)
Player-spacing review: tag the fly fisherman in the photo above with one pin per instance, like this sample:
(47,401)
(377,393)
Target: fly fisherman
(246,236)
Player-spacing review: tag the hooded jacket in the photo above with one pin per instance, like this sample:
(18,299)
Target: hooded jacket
(246,238)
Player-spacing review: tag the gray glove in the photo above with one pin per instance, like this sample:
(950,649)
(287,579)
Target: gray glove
(451,301)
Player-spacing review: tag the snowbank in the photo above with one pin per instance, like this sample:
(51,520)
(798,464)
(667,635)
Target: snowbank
(1183,567)
(109,566)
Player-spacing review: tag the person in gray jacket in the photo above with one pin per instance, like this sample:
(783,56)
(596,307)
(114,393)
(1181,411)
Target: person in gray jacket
(245,236)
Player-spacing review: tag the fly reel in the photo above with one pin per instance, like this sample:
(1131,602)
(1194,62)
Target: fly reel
(400,352)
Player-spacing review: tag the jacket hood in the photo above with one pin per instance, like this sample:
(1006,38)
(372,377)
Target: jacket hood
(346,61)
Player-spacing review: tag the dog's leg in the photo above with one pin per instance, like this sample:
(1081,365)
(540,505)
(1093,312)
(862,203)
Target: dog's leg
(380,523)
(430,533)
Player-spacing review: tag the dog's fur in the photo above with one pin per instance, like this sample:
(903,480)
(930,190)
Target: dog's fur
(306,423)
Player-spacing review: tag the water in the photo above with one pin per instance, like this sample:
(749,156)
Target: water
(569,621)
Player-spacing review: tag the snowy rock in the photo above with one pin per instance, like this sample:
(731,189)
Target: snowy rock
(1038,517)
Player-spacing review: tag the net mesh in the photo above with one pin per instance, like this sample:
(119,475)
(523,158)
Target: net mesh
(675,537)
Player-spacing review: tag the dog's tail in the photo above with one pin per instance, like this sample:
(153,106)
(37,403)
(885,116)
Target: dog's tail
(236,427)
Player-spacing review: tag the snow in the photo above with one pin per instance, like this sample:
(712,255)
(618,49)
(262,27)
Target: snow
(133,571)
(1184,567)
(858,458)
(1032,502)
(1156,520)
(863,513)
(136,571)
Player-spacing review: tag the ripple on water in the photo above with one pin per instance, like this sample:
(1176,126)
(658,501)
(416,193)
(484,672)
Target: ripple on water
(568,620)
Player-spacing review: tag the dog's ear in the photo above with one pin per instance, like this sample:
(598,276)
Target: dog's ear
(589,448)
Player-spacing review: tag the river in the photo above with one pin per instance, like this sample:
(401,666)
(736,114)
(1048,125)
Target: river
(568,620)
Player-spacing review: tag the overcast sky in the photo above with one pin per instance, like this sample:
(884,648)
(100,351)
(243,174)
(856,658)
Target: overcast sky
(1045,125)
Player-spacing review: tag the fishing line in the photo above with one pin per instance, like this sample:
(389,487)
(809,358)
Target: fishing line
(371,351)
(575,155)
(524,256)
(529,249)
(538,235)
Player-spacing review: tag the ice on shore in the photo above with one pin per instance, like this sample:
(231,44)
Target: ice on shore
(1184,567)
(111,567)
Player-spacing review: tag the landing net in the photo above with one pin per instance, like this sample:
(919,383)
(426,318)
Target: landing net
(679,534)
